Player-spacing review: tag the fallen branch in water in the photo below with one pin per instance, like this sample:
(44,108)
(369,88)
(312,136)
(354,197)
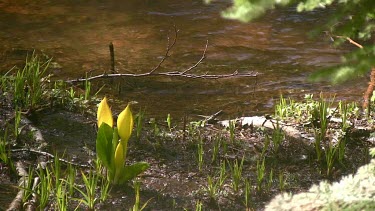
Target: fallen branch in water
(47,154)
(171,74)
(184,73)
(22,184)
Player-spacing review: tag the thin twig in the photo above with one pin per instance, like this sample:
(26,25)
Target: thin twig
(185,73)
(199,61)
(345,38)
(171,74)
(169,47)
(212,118)
(350,41)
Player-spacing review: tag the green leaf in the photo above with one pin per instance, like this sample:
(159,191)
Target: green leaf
(247,10)
(130,172)
(115,139)
(104,147)
(372,152)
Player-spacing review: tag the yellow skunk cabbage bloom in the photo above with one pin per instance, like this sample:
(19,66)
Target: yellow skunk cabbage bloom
(104,113)
(119,162)
(125,124)
(119,156)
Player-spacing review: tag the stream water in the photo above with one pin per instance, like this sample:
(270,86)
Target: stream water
(77,33)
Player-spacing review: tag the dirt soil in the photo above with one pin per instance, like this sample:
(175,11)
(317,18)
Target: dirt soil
(174,181)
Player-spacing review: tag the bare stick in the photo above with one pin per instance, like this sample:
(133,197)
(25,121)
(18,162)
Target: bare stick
(112,54)
(332,36)
(212,118)
(171,74)
(184,73)
(199,61)
(349,40)
(22,183)
(169,47)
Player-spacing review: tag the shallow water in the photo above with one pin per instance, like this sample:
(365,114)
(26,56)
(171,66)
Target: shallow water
(77,33)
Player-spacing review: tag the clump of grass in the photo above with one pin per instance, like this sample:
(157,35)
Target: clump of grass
(27,186)
(90,181)
(261,169)
(169,122)
(346,110)
(198,206)
(215,183)
(318,113)
(284,109)
(155,128)
(200,154)
(30,83)
(213,188)
(320,124)
(71,176)
(330,157)
(270,181)
(222,174)
(247,196)
(5,155)
(30,88)
(44,188)
(216,148)
(236,171)
(193,129)
(87,89)
(105,182)
(282,181)
(232,130)
(137,204)
(61,197)
(277,137)
(17,121)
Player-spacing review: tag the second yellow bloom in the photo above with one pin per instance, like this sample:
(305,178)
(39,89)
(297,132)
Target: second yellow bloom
(125,124)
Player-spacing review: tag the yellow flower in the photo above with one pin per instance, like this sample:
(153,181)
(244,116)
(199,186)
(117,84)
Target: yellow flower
(119,156)
(125,124)
(104,113)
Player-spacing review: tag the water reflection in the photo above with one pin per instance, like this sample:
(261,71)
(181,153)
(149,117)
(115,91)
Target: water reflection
(76,35)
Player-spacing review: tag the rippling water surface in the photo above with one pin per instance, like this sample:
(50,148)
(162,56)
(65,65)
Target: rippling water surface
(77,33)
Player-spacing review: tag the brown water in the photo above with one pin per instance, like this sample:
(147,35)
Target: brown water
(77,33)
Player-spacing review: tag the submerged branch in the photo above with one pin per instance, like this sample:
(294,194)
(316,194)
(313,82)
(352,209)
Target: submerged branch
(183,73)
(170,74)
